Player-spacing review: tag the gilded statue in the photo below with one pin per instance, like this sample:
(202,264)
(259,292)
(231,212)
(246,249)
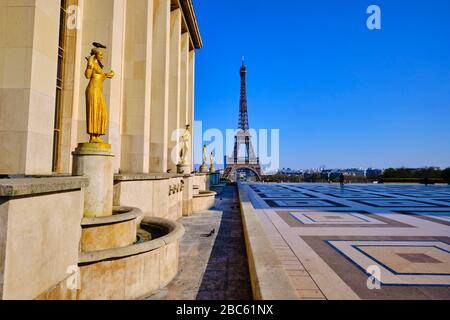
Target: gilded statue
(96,109)
(184,148)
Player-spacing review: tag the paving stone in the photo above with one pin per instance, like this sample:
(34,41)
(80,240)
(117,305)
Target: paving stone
(341,231)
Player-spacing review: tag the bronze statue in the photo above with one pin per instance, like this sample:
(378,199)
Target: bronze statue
(96,109)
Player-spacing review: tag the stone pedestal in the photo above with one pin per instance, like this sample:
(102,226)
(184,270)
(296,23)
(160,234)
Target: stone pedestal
(95,161)
(183,168)
(204,168)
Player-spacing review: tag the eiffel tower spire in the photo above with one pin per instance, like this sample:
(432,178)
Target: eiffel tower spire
(243,110)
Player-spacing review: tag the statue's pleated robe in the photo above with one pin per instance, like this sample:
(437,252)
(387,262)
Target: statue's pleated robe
(96,110)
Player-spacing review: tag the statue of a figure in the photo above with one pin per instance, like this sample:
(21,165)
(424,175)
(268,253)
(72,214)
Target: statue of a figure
(212,167)
(205,154)
(184,149)
(204,167)
(96,109)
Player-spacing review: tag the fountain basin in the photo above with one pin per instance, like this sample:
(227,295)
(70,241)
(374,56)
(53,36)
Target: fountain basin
(116,231)
(134,271)
(203,201)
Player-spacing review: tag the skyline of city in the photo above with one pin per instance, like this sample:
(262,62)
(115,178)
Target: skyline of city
(342,95)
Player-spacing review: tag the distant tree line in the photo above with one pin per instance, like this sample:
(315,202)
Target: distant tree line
(407,175)
(421,175)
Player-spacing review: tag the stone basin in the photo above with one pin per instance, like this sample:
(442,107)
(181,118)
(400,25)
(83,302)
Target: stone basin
(203,201)
(116,231)
(136,270)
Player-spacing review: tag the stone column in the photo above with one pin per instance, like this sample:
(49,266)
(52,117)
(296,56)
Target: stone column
(103,21)
(72,96)
(116,50)
(137,87)
(191,98)
(184,82)
(28,65)
(160,86)
(174,89)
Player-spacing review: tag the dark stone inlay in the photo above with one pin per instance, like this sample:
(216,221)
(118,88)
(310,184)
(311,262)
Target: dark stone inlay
(418,258)
(302,203)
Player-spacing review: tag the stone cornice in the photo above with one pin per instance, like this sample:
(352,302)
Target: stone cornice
(191,21)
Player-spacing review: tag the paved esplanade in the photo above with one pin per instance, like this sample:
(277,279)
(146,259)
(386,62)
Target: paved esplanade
(329,237)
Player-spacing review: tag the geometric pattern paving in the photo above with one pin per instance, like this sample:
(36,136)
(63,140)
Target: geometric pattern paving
(442,217)
(334,241)
(397,203)
(334,218)
(322,218)
(401,262)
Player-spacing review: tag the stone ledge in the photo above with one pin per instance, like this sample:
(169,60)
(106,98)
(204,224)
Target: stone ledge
(123,177)
(268,277)
(35,186)
(201,174)
(121,214)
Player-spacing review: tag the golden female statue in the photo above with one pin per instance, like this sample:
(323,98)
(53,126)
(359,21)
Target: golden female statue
(96,109)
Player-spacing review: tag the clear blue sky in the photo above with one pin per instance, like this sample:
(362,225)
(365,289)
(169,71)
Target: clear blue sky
(341,95)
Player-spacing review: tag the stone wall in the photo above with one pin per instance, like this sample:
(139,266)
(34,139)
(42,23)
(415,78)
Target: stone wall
(40,234)
(158,196)
(202,181)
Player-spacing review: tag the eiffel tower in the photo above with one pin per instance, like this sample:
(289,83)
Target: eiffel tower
(249,164)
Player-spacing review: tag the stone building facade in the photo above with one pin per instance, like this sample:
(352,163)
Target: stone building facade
(47,242)
(151,47)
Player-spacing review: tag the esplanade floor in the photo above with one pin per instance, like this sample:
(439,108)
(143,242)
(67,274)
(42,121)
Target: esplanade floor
(330,239)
